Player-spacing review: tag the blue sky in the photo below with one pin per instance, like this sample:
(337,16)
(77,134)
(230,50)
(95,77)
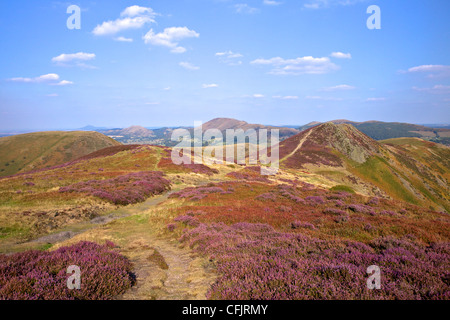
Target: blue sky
(168,63)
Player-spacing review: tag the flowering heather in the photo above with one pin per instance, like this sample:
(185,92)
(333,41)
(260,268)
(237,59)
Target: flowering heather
(167,164)
(37,275)
(266,197)
(361,208)
(334,211)
(315,200)
(187,220)
(301,224)
(373,202)
(252,173)
(126,189)
(257,262)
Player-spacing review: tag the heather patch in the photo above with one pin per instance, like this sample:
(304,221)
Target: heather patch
(37,275)
(257,262)
(126,189)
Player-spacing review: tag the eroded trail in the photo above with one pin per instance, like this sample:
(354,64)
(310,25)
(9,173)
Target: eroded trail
(300,144)
(166,271)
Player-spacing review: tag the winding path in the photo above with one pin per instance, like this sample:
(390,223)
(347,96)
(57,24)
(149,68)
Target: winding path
(300,144)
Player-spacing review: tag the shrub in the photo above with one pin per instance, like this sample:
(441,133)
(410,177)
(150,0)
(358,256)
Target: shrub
(255,262)
(342,188)
(37,275)
(126,189)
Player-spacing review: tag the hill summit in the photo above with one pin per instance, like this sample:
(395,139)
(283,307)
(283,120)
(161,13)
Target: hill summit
(319,145)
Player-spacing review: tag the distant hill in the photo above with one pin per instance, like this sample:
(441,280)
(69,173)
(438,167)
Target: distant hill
(379,130)
(408,169)
(227,123)
(25,152)
(131,132)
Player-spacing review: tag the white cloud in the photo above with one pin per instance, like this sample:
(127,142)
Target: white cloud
(133,17)
(170,37)
(44,78)
(134,11)
(258,95)
(432,70)
(230,58)
(123,39)
(271,3)
(321,4)
(245,8)
(188,66)
(212,85)
(286,97)
(302,65)
(50,79)
(74,57)
(341,55)
(437,89)
(339,87)
(375,99)
(62,83)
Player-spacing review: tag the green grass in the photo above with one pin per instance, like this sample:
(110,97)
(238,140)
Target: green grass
(379,172)
(342,188)
(39,150)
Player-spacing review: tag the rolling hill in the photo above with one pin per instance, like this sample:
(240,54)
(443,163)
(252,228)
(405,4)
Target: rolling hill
(408,169)
(31,151)
(379,130)
(227,123)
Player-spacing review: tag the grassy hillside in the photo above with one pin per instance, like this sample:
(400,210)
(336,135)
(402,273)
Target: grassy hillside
(407,169)
(379,130)
(39,150)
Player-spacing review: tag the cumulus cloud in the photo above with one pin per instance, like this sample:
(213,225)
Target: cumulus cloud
(230,58)
(133,17)
(74,59)
(212,85)
(62,83)
(302,65)
(74,56)
(432,70)
(134,11)
(123,39)
(341,55)
(339,87)
(46,78)
(170,38)
(43,78)
(258,95)
(189,66)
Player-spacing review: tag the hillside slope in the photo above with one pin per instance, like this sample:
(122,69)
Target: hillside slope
(379,130)
(410,169)
(227,123)
(39,150)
